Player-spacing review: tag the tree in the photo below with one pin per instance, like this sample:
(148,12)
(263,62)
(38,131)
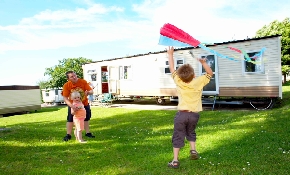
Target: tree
(57,73)
(280,28)
(285,72)
(43,84)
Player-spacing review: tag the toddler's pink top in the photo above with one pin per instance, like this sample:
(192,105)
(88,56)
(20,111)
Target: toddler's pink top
(81,113)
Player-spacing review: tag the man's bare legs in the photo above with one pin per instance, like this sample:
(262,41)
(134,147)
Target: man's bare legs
(87,129)
(87,126)
(69,127)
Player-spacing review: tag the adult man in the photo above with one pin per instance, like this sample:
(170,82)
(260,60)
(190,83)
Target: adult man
(76,84)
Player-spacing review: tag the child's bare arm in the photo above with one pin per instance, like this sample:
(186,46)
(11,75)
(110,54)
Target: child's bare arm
(170,59)
(205,66)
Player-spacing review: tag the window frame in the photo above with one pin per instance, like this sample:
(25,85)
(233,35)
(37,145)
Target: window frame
(215,76)
(129,72)
(244,62)
(104,76)
(175,65)
(92,74)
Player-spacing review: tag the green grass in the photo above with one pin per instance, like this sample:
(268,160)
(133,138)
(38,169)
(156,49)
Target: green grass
(139,142)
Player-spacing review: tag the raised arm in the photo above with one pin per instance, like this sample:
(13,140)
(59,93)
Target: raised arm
(205,66)
(170,51)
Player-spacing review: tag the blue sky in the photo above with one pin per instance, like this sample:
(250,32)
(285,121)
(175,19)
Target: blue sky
(36,34)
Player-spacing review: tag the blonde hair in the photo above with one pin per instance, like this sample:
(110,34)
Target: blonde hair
(185,73)
(75,94)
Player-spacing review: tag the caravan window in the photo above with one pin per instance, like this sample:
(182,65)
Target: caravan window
(210,60)
(212,86)
(94,77)
(167,70)
(178,62)
(126,72)
(256,66)
(104,76)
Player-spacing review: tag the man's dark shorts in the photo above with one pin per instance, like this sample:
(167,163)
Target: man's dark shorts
(88,114)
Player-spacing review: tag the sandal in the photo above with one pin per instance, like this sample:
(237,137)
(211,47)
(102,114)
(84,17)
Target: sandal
(193,155)
(173,164)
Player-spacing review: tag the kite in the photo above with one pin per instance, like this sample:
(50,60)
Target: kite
(170,35)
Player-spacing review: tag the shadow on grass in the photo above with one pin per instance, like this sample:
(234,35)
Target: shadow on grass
(25,144)
(139,142)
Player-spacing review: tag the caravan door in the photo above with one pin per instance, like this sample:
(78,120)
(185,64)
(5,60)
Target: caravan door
(114,76)
(92,77)
(212,87)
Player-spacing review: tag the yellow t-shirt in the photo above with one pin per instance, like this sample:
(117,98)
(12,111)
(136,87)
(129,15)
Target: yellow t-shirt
(189,94)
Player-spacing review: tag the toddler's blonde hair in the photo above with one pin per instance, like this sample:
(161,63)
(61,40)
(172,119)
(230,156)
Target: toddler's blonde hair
(75,94)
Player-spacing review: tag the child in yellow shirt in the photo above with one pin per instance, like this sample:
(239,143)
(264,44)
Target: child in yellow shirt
(189,90)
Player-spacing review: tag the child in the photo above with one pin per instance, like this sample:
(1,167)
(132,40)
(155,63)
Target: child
(79,115)
(189,92)
(91,96)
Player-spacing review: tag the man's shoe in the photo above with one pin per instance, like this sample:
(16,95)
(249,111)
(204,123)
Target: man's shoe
(90,135)
(67,138)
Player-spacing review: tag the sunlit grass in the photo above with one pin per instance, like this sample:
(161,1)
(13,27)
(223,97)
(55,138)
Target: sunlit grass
(139,142)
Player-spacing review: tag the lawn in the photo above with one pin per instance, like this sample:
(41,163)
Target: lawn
(130,141)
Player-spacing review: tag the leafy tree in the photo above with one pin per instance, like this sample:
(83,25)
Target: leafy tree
(285,72)
(43,84)
(57,73)
(279,28)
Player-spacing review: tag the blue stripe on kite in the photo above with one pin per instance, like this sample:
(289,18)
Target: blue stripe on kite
(163,40)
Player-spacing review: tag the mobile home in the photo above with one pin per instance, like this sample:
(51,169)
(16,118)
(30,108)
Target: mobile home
(149,75)
(17,98)
(52,96)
